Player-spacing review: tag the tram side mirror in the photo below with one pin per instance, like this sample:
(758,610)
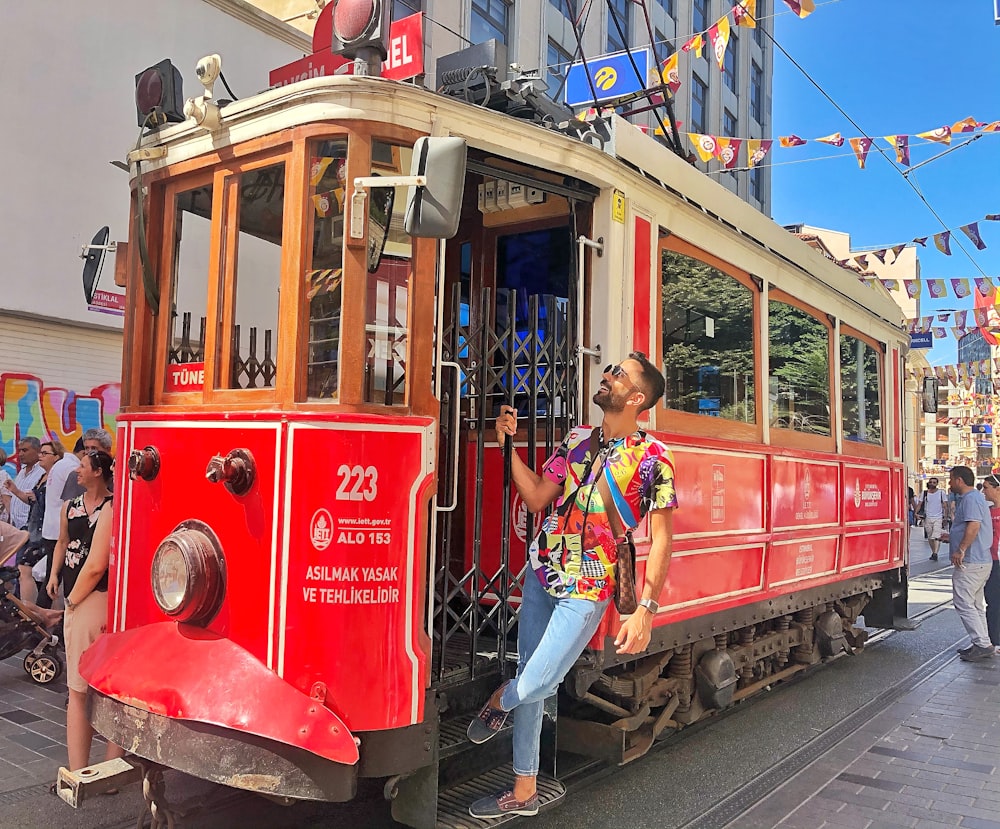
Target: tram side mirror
(930,395)
(434,211)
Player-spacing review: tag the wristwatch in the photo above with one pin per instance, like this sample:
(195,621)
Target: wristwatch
(69,605)
(650,605)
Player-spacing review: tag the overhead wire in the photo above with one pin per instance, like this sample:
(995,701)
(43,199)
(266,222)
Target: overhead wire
(881,150)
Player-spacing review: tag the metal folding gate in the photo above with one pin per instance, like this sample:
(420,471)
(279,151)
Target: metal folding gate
(531,363)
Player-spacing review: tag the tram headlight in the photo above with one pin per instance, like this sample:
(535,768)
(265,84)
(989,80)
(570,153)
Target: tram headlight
(189,573)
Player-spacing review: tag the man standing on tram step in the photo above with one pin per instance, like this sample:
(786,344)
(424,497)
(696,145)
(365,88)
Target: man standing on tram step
(970,541)
(934,505)
(570,582)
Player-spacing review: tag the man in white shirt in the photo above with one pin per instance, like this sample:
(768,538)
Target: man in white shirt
(934,505)
(28,475)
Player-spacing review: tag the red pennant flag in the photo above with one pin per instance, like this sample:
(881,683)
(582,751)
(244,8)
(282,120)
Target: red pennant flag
(921,240)
(756,150)
(718,35)
(727,151)
(861,146)
(966,125)
(695,44)
(897,249)
(942,241)
(992,127)
(790,141)
(901,144)
(880,255)
(670,75)
(803,8)
(972,231)
(745,13)
(862,260)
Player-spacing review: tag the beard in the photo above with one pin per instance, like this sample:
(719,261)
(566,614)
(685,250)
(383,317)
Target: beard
(607,401)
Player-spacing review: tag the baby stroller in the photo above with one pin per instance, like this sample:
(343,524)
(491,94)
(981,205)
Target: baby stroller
(20,630)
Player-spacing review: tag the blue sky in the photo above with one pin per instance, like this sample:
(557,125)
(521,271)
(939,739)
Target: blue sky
(894,67)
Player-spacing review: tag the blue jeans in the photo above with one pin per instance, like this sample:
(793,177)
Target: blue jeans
(552,633)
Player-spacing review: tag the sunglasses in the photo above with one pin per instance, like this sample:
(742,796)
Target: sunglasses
(619,373)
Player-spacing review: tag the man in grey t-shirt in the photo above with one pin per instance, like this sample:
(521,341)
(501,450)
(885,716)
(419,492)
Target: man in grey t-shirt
(970,542)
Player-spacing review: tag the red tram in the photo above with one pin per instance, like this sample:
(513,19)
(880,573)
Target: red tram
(316,558)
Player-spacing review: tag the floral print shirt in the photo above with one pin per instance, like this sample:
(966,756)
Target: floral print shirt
(575,552)
(80,525)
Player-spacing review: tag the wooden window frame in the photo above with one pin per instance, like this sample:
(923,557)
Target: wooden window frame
(689,423)
(878,451)
(790,437)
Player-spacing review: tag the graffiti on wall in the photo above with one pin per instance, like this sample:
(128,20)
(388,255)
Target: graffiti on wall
(30,409)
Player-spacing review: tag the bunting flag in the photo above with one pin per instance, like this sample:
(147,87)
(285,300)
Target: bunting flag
(756,150)
(695,44)
(984,285)
(861,146)
(960,318)
(745,13)
(324,202)
(706,145)
(912,287)
(901,144)
(718,35)
(896,250)
(727,151)
(992,127)
(992,217)
(792,141)
(939,333)
(803,8)
(972,231)
(969,124)
(945,317)
(942,241)
(961,288)
(942,135)
(834,140)
(880,255)
(862,260)
(935,287)
(982,317)
(317,168)
(671,75)
(890,284)
(921,240)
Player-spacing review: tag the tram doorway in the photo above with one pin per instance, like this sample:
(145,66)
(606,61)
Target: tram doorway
(509,331)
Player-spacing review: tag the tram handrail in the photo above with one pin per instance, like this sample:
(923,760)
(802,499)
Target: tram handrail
(456,405)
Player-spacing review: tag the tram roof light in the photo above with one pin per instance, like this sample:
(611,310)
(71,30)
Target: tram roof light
(159,95)
(359,25)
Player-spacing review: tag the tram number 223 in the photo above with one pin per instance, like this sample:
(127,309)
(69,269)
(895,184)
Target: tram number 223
(357,483)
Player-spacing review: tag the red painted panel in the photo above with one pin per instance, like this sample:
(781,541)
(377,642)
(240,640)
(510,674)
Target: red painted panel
(866,494)
(717,573)
(866,548)
(718,492)
(804,493)
(245,526)
(801,560)
(355,573)
(642,276)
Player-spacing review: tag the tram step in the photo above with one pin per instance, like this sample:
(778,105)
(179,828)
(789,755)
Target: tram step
(461,760)
(453,803)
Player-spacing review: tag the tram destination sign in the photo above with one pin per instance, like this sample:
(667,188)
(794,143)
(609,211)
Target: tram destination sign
(923,340)
(613,76)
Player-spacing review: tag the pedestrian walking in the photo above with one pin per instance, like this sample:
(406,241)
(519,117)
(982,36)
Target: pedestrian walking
(934,507)
(970,542)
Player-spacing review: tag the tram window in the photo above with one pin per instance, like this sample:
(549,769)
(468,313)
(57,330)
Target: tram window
(390,255)
(325,268)
(189,282)
(860,388)
(799,374)
(260,219)
(708,337)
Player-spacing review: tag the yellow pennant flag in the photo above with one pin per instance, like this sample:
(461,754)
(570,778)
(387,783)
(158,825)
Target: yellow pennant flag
(941,135)
(695,44)
(719,36)
(745,13)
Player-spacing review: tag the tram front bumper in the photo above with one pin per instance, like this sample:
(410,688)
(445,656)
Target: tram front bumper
(188,699)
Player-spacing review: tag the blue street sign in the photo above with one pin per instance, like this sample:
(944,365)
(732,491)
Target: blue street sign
(921,340)
(982,428)
(613,77)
